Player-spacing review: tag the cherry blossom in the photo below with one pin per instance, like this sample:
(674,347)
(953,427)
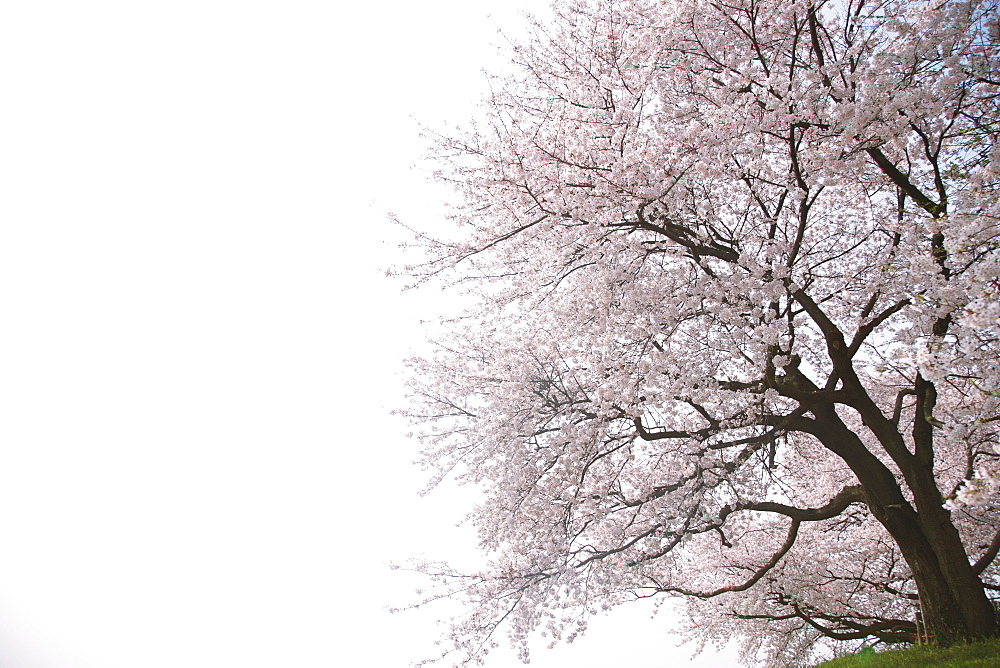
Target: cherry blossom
(731,276)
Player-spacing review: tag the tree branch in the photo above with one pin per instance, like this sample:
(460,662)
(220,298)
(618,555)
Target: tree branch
(988,556)
(793,532)
(836,505)
(900,179)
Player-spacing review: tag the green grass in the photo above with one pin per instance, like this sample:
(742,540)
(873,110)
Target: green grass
(976,655)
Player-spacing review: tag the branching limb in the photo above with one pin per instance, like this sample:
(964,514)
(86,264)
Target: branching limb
(988,556)
(897,411)
(836,505)
(865,330)
(903,183)
(793,532)
(887,630)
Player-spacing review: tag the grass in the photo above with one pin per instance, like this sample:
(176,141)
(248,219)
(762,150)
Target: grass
(976,655)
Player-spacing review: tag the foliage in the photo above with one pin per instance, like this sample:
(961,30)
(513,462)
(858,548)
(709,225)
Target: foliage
(734,334)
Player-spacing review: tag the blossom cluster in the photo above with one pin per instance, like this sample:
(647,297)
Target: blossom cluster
(731,275)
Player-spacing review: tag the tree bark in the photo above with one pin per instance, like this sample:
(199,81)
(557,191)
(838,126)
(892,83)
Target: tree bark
(953,599)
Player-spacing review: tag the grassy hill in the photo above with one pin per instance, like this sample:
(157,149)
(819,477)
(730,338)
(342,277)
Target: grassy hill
(978,655)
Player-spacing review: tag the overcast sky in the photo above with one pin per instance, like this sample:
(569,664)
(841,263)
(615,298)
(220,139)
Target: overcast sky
(199,349)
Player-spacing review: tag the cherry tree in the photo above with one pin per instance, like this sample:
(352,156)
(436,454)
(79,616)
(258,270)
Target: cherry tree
(732,332)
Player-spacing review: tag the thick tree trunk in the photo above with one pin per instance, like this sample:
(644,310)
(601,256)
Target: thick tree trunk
(947,549)
(953,600)
(948,565)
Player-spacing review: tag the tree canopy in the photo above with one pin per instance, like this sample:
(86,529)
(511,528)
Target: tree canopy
(734,325)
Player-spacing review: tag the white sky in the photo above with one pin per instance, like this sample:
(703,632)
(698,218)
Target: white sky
(198,347)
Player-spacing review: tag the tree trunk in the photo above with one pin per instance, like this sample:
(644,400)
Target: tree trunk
(953,599)
(948,568)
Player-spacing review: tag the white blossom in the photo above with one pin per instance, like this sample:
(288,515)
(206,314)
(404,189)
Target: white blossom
(736,332)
